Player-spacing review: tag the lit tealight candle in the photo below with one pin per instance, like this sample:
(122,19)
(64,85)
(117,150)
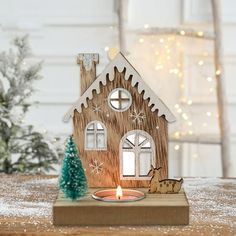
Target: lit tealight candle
(119,192)
(118,195)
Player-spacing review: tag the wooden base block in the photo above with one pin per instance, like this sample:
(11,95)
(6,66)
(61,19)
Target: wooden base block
(155,209)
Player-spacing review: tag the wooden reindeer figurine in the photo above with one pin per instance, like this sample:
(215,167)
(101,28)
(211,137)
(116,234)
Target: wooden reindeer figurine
(165,185)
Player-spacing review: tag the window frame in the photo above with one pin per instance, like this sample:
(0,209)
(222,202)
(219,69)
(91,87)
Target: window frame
(95,131)
(129,99)
(137,150)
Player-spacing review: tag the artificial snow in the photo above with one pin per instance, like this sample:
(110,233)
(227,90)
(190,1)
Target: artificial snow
(26,203)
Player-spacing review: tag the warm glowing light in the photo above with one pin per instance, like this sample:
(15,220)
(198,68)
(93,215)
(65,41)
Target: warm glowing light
(208,113)
(177,147)
(180,75)
(161,40)
(190,123)
(190,132)
(195,156)
(173,71)
(189,102)
(141,40)
(179,110)
(204,124)
(158,67)
(201,62)
(146,26)
(112,52)
(182,32)
(218,72)
(185,117)
(106,48)
(211,90)
(209,79)
(200,34)
(176,106)
(178,64)
(177,134)
(119,192)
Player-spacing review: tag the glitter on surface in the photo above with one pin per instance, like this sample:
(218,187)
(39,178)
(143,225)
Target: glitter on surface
(26,208)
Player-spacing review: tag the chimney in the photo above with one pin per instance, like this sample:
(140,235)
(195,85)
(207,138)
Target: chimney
(87,62)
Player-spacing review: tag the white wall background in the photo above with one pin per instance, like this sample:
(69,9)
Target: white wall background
(60,29)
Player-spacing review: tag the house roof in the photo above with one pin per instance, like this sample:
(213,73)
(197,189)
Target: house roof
(120,62)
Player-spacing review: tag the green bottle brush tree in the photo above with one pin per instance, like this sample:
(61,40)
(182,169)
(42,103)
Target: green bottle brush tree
(72,181)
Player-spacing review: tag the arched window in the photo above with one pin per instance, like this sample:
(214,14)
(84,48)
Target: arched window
(95,136)
(137,154)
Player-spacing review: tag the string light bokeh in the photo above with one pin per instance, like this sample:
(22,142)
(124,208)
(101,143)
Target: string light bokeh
(176,67)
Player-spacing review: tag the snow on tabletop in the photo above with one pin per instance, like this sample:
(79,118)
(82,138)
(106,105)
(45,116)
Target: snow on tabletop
(25,198)
(26,206)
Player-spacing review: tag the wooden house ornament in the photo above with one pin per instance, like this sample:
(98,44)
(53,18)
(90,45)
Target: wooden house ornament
(120,125)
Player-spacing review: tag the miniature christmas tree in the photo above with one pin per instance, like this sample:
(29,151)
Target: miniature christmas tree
(73,181)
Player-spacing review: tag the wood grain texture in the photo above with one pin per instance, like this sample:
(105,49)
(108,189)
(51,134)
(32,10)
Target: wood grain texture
(212,210)
(122,16)
(192,33)
(222,104)
(120,62)
(158,185)
(118,124)
(173,209)
(87,62)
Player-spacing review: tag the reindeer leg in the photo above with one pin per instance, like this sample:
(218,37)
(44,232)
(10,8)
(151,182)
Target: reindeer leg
(153,188)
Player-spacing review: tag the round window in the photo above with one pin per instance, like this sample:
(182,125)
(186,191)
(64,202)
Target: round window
(119,99)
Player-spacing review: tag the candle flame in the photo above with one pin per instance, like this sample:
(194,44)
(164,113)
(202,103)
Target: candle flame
(119,192)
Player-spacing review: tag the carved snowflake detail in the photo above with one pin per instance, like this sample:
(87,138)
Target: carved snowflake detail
(96,108)
(138,116)
(95,166)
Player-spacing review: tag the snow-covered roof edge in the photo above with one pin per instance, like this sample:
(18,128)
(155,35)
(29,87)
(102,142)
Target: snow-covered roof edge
(120,62)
